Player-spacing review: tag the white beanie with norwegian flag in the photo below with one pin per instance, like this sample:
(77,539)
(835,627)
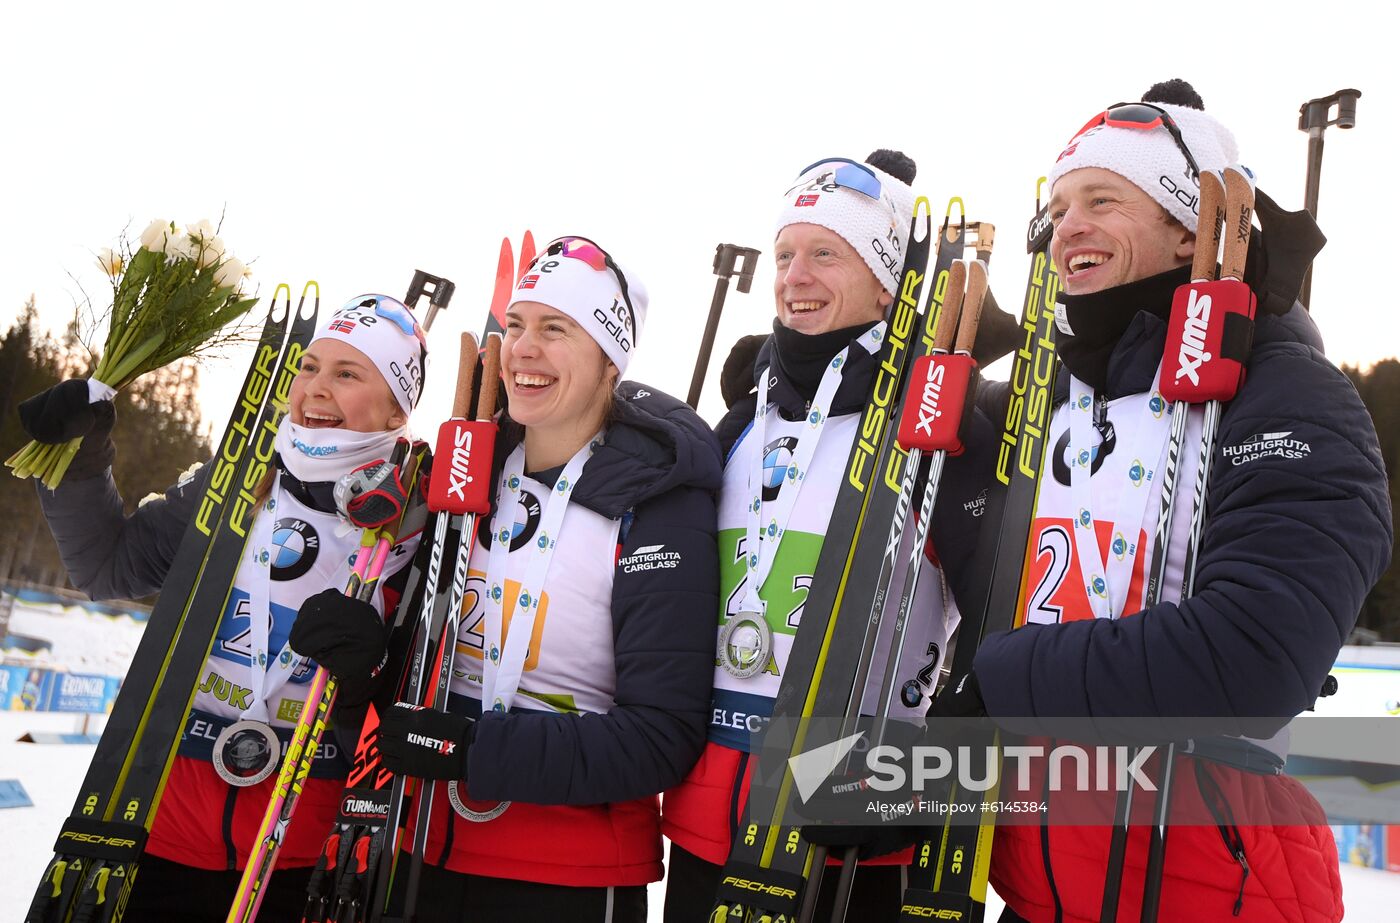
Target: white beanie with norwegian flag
(875,225)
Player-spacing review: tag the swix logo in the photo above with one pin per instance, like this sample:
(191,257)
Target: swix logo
(928,400)
(806,200)
(459,473)
(445,747)
(1192,354)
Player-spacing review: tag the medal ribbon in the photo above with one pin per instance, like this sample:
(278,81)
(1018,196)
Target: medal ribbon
(1106,580)
(503,658)
(762,541)
(265,680)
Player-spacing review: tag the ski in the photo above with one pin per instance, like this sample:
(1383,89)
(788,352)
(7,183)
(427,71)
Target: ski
(355,873)
(948,876)
(940,387)
(470,446)
(350,854)
(100,844)
(770,866)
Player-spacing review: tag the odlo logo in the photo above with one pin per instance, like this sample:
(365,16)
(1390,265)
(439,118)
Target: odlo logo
(928,400)
(1192,354)
(458,476)
(616,322)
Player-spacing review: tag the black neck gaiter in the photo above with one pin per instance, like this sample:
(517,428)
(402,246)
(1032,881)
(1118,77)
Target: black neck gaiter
(1100,319)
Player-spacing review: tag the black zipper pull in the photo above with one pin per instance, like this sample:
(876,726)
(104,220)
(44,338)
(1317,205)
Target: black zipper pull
(1244,867)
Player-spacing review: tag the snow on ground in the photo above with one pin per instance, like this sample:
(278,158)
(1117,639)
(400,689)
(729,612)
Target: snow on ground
(82,641)
(51,774)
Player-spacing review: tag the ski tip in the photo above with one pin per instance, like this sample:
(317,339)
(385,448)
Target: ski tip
(310,285)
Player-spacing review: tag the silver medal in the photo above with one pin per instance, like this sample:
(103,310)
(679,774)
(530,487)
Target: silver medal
(247,752)
(459,805)
(745,644)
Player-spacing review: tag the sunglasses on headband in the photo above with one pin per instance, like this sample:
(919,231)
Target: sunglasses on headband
(1146,117)
(596,258)
(850,174)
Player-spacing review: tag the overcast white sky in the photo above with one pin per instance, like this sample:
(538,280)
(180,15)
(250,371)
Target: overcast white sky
(352,143)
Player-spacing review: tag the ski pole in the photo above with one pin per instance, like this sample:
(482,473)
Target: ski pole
(375,544)
(941,393)
(948,876)
(1231,331)
(1203,270)
(726,256)
(340,875)
(1314,118)
(464,490)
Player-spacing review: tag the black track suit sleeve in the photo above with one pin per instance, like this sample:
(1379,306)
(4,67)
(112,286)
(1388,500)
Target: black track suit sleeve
(109,555)
(1294,541)
(664,646)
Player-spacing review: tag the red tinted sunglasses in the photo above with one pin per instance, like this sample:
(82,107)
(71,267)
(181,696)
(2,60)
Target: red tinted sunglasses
(1146,117)
(586,251)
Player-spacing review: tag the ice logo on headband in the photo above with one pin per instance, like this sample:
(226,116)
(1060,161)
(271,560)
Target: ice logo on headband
(365,310)
(368,310)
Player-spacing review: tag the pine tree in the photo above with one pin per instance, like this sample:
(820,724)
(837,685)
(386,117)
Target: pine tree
(1379,387)
(158,435)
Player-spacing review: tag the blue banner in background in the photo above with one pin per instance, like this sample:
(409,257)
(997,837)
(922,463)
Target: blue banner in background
(39,689)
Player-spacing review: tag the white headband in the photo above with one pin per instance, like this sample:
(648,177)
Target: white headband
(387,333)
(592,297)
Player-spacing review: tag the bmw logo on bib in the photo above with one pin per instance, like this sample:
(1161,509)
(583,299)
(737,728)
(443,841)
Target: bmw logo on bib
(295,545)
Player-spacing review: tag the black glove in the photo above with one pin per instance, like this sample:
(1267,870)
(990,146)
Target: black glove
(870,840)
(961,698)
(62,413)
(348,638)
(736,375)
(425,743)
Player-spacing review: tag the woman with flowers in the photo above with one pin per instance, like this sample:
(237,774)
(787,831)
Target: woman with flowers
(346,410)
(582,676)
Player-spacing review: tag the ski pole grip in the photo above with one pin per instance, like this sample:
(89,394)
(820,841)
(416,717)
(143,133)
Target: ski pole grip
(461,477)
(466,367)
(1211,207)
(1239,216)
(490,378)
(972,306)
(949,316)
(938,403)
(1208,339)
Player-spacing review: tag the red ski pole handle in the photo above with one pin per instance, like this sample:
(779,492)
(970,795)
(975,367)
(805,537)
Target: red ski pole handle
(461,477)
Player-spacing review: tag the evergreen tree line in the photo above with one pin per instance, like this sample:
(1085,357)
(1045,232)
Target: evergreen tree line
(160,435)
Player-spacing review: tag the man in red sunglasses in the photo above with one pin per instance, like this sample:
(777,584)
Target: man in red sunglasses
(1298,532)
